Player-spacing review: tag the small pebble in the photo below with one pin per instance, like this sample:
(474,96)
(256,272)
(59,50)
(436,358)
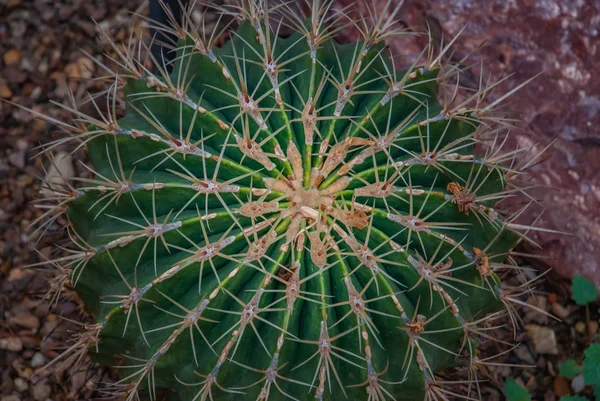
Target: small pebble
(20,385)
(12,56)
(12,397)
(38,360)
(533,315)
(560,311)
(543,338)
(531,383)
(561,386)
(48,327)
(16,275)
(578,383)
(13,344)
(5,92)
(59,171)
(41,391)
(23,371)
(523,353)
(25,319)
(593,327)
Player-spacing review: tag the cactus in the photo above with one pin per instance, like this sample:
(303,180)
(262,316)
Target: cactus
(288,218)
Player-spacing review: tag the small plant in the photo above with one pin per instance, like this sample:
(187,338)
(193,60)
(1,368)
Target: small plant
(590,371)
(583,292)
(569,369)
(290,218)
(514,392)
(591,368)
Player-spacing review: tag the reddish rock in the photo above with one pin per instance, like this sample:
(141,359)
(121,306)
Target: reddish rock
(25,319)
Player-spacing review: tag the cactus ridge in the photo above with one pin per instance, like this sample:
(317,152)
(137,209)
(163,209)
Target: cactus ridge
(288,218)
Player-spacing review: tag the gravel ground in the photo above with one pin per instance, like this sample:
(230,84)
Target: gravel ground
(41,42)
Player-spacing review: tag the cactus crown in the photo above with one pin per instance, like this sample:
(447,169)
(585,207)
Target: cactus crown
(288,218)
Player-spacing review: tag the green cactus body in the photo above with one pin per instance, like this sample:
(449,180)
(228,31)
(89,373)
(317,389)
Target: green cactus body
(287,218)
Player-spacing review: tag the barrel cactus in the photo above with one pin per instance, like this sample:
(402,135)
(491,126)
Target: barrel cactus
(288,217)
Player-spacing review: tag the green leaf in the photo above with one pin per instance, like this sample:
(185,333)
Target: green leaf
(591,364)
(583,291)
(514,392)
(573,398)
(569,368)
